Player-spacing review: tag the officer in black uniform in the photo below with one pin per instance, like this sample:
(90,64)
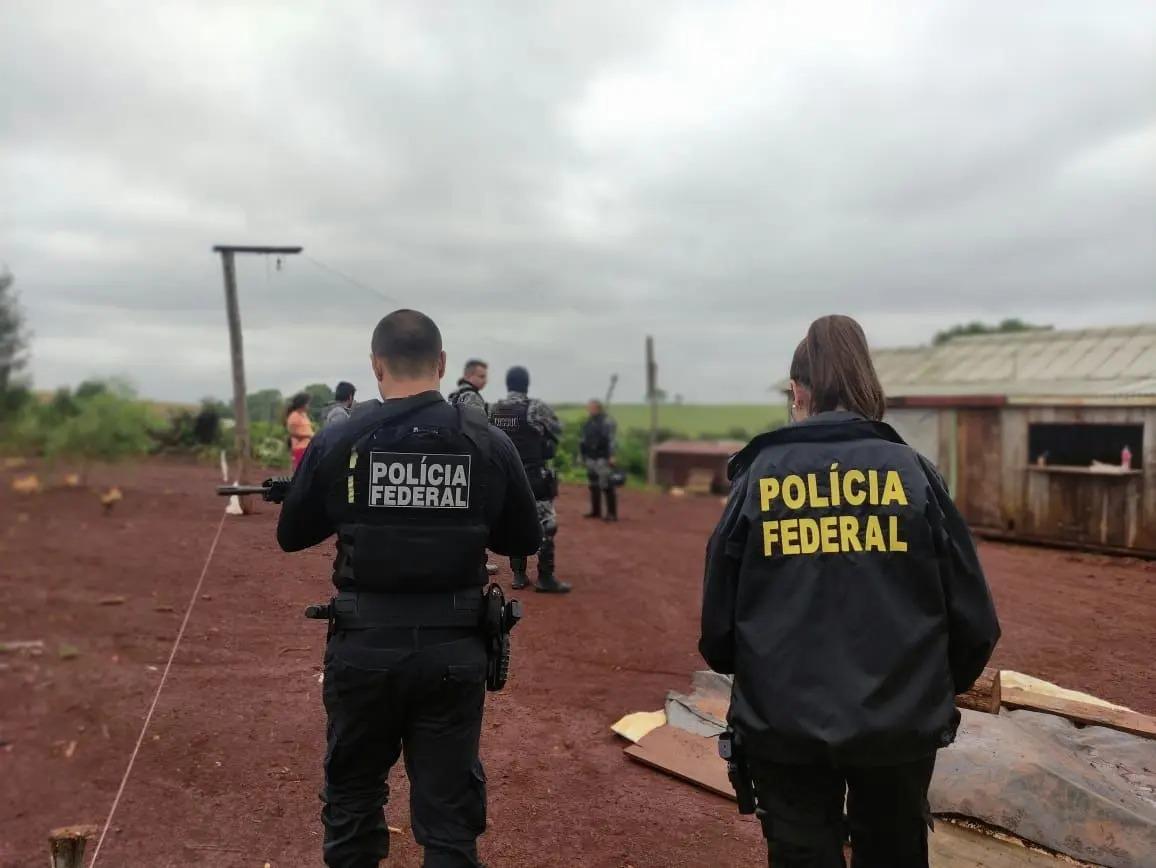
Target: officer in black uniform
(469,390)
(844,593)
(596,449)
(534,428)
(415,491)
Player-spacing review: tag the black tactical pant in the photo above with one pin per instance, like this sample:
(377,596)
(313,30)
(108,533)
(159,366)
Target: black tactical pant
(418,689)
(801,809)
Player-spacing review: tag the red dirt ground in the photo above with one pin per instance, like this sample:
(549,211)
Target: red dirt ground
(229,772)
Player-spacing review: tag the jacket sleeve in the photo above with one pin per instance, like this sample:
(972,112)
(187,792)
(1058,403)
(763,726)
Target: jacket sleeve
(304,521)
(516,532)
(716,642)
(973,628)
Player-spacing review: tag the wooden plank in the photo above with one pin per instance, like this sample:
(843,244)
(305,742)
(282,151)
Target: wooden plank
(984,695)
(686,756)
(695,759)
(1082,712)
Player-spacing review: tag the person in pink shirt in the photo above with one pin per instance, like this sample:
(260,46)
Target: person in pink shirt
(299,426)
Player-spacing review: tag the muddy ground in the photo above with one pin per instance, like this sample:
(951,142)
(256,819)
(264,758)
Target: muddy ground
(229,772)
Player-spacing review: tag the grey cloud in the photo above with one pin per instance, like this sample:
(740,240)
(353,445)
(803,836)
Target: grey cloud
(915,174)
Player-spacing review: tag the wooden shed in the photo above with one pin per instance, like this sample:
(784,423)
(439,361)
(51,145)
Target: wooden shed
(681,462)
(1032,430)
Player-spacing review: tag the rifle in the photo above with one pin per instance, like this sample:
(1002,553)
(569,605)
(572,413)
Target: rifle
(272,490)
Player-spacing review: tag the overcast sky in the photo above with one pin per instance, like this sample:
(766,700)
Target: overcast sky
(554,181)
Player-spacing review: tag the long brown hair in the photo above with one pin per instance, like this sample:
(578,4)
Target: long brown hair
(833,361)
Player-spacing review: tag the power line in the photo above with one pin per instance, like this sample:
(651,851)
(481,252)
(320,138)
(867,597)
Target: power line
(351,280)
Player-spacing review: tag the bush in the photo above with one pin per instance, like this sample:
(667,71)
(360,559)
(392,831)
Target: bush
(108,426)
(270,446)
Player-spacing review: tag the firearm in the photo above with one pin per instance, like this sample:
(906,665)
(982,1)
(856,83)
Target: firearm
(730,748)
(272,490)
(498,619)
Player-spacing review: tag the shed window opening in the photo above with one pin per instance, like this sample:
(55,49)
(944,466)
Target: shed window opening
(1086,445)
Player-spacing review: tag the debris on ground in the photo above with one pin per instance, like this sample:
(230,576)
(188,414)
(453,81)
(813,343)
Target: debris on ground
(68,652)
(111,498)
(27,484)
(1053,784)
(33,647)
(115,600)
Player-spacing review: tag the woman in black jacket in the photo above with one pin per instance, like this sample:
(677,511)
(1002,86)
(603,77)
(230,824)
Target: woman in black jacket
(844,593)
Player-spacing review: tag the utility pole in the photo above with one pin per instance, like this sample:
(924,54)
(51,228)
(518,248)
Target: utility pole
(610,390)
(652,399)
(237,351)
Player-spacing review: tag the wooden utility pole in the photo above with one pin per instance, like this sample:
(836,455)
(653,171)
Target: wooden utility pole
(652,399)
(610,390)
(237,351)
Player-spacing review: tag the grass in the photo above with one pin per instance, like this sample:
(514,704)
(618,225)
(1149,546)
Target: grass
(689,420)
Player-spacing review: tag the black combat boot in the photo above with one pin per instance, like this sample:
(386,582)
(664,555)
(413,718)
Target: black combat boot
(595,503)
(547,582)
(611,504)
(521,577)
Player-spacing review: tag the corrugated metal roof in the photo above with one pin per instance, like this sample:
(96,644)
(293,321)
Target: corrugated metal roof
(1108,362)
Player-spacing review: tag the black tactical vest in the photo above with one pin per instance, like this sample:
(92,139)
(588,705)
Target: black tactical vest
(513,418)
(412,508)
(455,397)
(595,438)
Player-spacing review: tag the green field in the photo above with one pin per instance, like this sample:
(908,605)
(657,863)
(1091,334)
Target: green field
(690,420)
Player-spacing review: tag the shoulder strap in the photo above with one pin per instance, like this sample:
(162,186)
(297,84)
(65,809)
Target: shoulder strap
(855,429)
(476,427)
(358,425)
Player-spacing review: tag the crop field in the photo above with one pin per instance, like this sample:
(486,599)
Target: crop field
(690,420)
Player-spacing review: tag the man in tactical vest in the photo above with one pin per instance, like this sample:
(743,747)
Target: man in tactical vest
(534,429)
(469,390)
(597,450)
(415,491)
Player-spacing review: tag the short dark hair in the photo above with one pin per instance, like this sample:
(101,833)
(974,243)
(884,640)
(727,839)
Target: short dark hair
(344,391)
(408,341)
(473,364)
(834,362)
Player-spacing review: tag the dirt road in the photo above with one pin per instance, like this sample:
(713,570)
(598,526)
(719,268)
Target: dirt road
(229,773)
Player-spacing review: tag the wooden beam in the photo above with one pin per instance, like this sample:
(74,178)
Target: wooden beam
(242,248)
(68,845)
(984,695)
(1082,712)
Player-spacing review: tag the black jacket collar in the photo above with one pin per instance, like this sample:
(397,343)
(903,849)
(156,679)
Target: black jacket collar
(830,427)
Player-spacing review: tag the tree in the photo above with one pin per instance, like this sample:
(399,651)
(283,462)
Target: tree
(13,335)
(979,328)
(267,405)
(319,395)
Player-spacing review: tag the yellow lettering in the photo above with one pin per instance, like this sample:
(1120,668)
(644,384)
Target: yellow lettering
(793,494)
(789,531)
(897,545)
(855,498)
(874,536)
(770,537)
(849,534)
(873,482)
(808,535)
(816,499)
(834,484)
(768,491)
(893,489)
(829,532)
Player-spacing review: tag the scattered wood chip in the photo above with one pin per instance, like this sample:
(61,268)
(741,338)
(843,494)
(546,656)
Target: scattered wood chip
(393,830)
(68,652)
(27,484)
(163,609)
(14,463)
(206,596)
(32,646)
(115,600)
(70,750)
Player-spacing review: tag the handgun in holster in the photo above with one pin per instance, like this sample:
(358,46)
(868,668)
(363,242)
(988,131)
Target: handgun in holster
(498,619)
(731,749)
(322,612)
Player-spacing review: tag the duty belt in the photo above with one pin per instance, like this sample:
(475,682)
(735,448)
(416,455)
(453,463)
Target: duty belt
(361,610)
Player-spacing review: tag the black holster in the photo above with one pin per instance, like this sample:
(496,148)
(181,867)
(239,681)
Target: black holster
(730,748)
(498,619)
